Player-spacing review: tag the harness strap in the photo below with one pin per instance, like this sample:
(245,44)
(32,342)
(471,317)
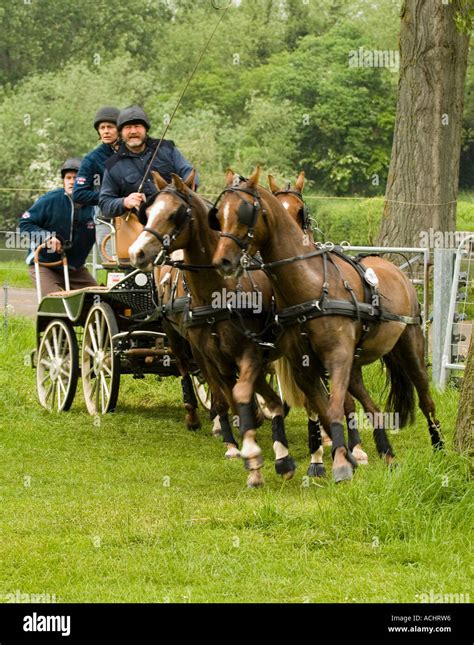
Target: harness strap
(312,309)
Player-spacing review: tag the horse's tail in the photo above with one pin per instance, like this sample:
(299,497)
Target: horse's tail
(401,398)
(290,391)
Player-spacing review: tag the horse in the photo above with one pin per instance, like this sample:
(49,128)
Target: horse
(223,342)
(292,199)
(326,323)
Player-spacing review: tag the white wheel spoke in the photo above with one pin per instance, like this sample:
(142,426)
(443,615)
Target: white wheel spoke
(44,379)
(88,372)
(47,364)
(98,327)
(89,351)
(107,369)
(59,394)
(93,338)
(61,384)
(54,333)
(47,344)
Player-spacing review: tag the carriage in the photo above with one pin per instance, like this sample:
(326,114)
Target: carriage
(103,332)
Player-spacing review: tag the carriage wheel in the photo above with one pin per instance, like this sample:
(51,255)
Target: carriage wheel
(273,382)
(57,366)
(100,366)
(202,390)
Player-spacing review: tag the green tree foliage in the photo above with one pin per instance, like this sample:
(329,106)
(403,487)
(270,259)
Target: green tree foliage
(274,87)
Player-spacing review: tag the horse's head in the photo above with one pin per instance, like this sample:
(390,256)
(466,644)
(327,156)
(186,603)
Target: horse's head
(239,217)
(168,214)
(291,197)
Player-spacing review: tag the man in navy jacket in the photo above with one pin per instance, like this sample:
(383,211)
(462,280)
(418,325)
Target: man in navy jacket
(67,227)
(89,178)
(126,169)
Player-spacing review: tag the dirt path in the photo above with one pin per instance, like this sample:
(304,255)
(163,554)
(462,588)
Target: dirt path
(21,302)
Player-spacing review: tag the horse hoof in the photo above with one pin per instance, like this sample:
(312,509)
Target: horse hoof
(360,456)
(255,479)
(342,473)
(285,467)
(316,470)
(193,426)
(232,453)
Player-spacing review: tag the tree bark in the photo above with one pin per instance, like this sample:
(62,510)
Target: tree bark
(422,183)
(464,437)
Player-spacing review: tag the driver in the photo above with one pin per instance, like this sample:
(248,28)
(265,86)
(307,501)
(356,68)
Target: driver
(126,169)
(67,226)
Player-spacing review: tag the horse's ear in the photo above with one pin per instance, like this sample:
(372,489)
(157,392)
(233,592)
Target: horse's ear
(274,187)
(300,182)
(229,176)
(189,181)
(178,183)
(254,177)
(160,183)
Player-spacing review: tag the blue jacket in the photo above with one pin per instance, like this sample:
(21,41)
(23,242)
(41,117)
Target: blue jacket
(89,177)
(125,170)
(55,213)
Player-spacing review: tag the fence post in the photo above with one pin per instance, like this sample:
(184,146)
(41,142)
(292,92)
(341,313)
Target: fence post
(442,278)
(5,301)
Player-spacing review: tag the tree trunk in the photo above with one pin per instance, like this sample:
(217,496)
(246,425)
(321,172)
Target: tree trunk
(422,183)
(464,437)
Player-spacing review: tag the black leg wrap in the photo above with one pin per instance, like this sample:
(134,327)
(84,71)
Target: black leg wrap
(314,436)
(246,416)
(336,430)
(278,430)
(338,441)
(436,440)
(227,435)
(353,435)
(382,443)
(189,396)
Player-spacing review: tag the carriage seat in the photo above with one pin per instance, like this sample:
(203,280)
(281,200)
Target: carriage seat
(127,229)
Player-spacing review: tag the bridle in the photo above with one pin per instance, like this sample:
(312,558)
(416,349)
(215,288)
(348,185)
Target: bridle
(180,217)
(303,211)
(247,214)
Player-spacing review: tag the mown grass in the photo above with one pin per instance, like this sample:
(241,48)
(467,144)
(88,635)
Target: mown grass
(133,507)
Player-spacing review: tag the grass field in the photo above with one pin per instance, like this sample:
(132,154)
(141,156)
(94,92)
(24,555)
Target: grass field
(133,507)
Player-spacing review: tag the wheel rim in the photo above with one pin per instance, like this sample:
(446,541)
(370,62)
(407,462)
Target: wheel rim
(99,364)
(203,392)
(56,372)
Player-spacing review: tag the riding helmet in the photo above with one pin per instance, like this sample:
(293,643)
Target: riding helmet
(70,164)
(133,114)
(108,114)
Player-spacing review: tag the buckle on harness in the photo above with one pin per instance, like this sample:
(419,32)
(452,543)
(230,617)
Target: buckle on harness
(245,261)
(210,320)
(301,319)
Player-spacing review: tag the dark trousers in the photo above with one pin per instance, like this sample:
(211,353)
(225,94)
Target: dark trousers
(52,279)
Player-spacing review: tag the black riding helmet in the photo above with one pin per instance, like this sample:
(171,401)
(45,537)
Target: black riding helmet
(133,114)
(108,114)
(70,164)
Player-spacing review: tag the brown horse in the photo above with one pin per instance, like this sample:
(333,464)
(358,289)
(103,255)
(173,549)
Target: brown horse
(326,326)
(223,345)
(292,200)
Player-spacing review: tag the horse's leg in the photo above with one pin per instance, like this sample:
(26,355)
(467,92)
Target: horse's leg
(410,352)
(243,393)
(315,444)
(357,389)
(354,441)
(338,362)
(284,463)
(221,392)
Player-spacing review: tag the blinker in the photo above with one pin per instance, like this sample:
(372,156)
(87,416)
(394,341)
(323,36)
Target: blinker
(212,219)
